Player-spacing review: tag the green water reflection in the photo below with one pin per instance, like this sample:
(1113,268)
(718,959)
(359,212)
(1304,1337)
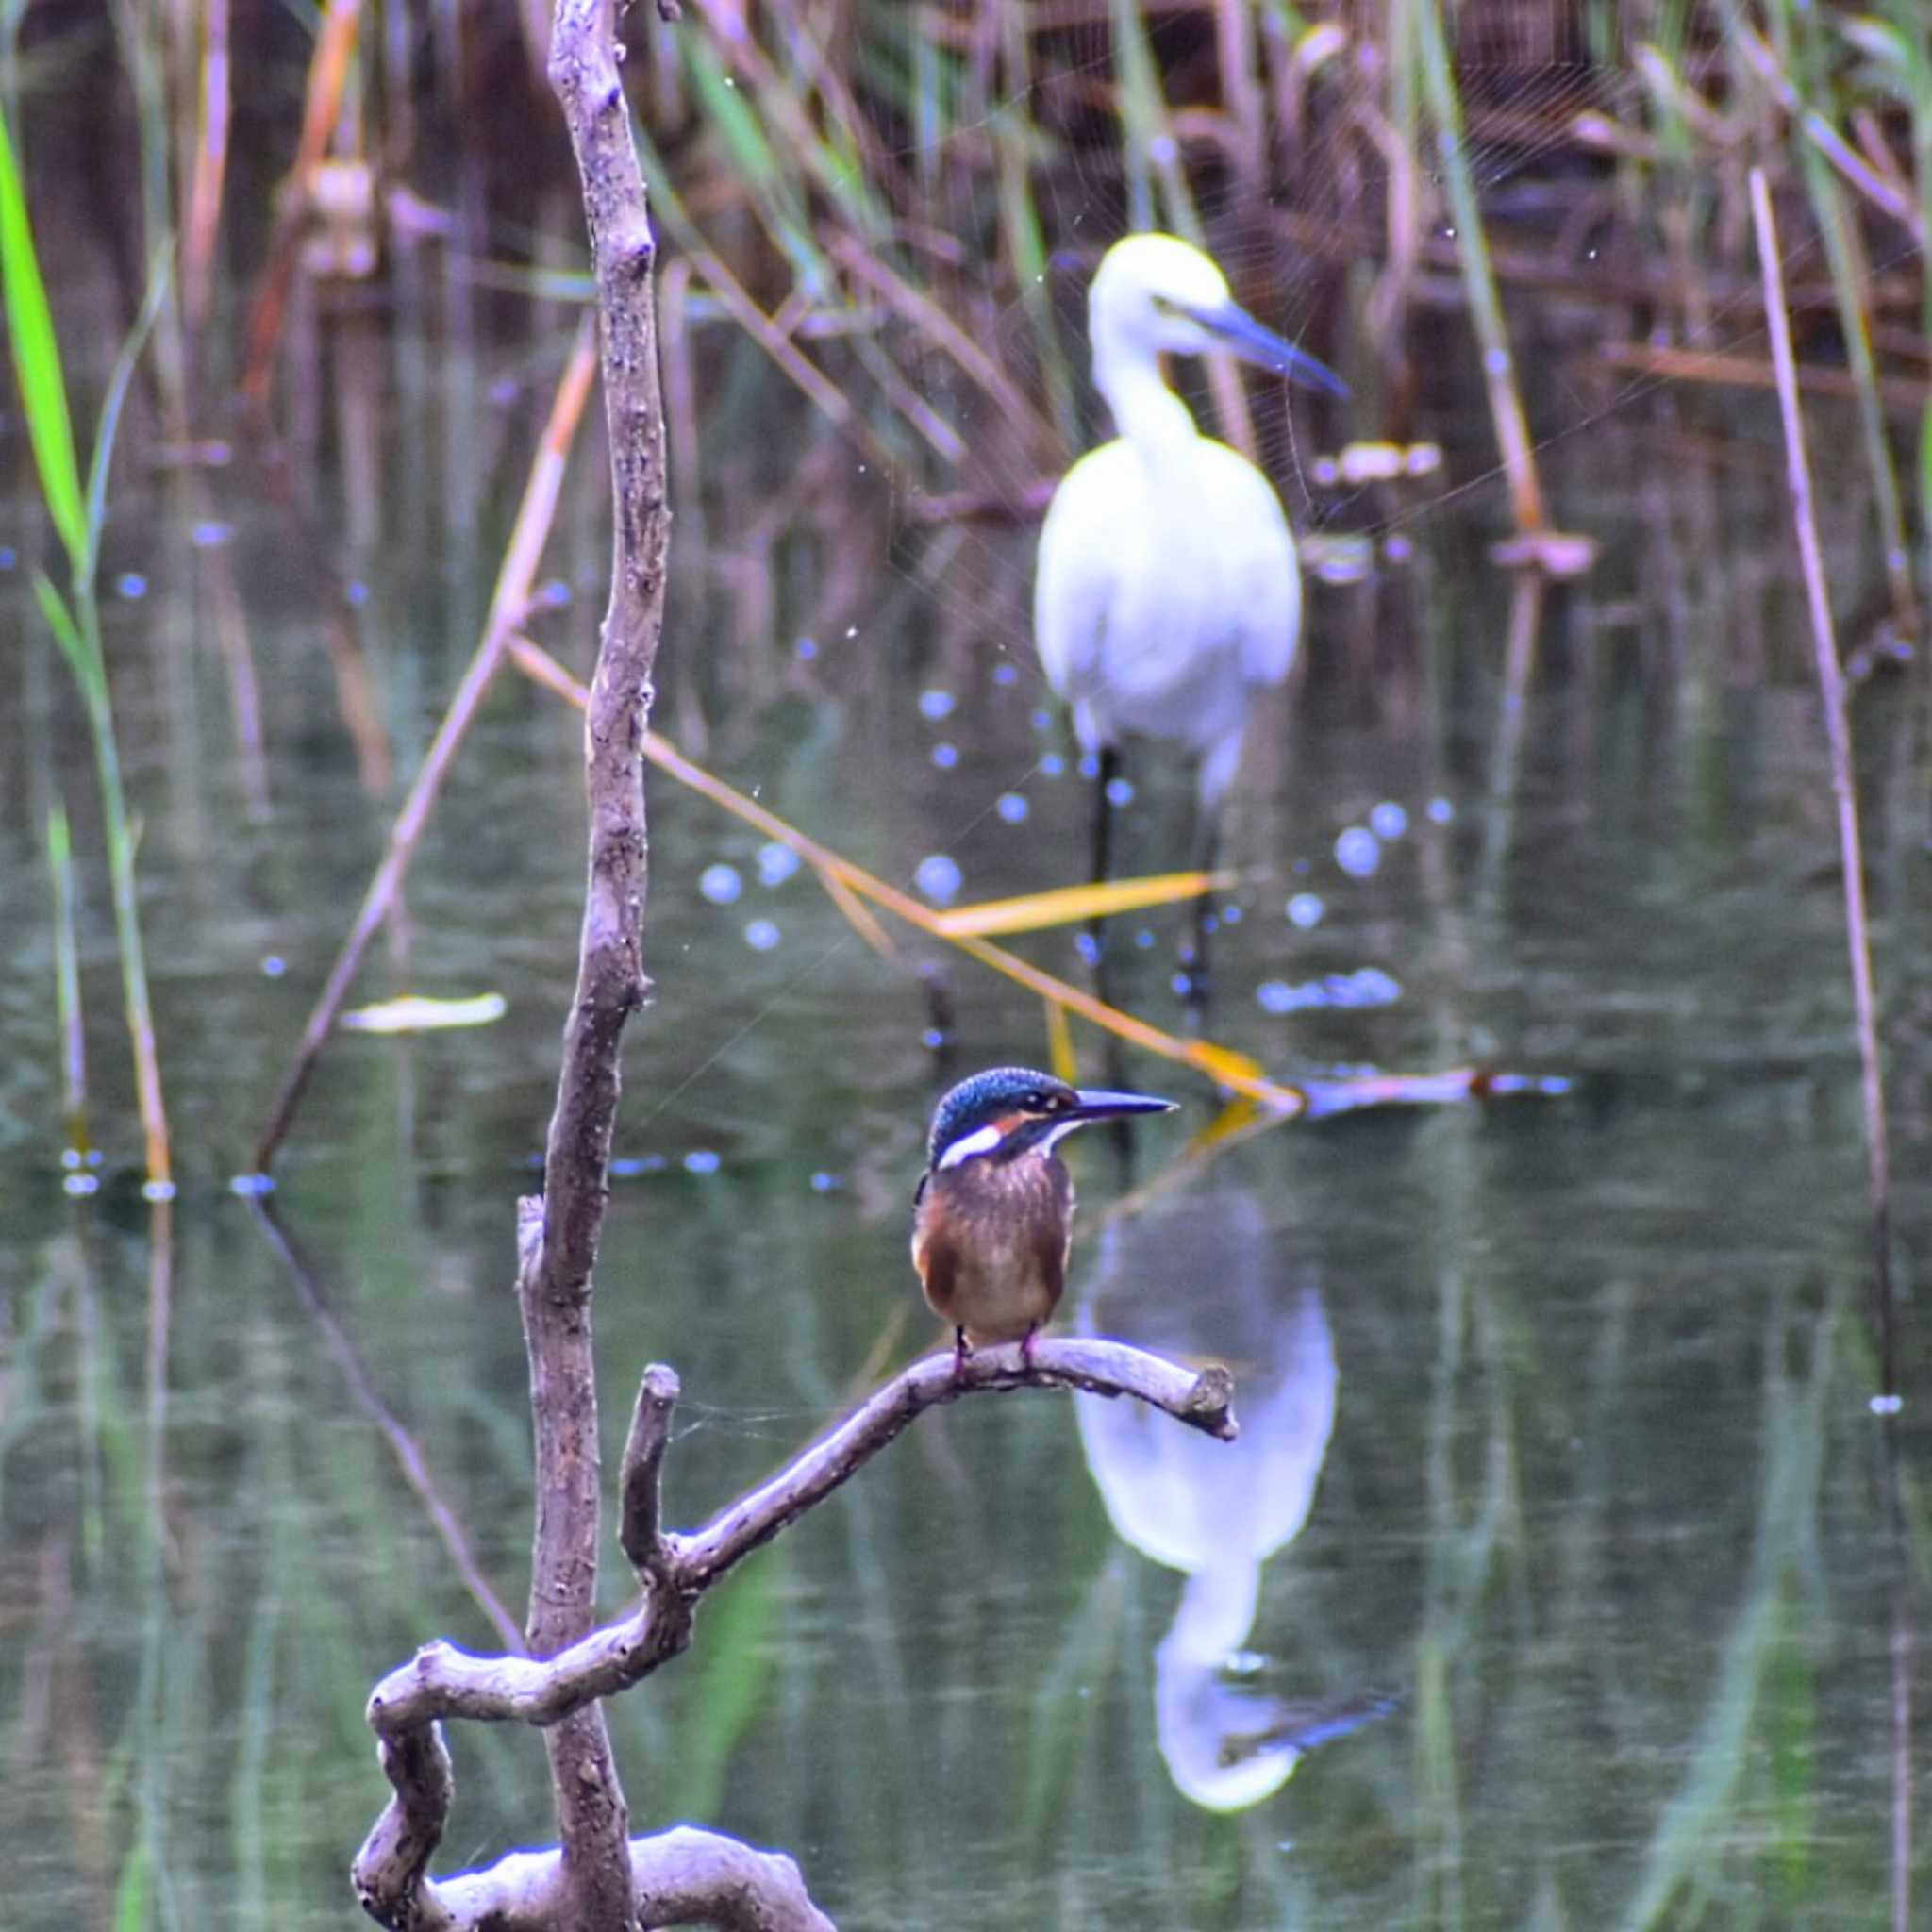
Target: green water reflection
(1602,1505)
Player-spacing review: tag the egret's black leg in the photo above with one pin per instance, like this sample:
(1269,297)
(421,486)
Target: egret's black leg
(1194,948)
(1109,763)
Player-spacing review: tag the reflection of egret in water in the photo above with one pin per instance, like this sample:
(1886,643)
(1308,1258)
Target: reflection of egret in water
(1198,1275)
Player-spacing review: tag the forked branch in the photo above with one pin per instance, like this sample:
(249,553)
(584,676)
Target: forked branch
(442,1681)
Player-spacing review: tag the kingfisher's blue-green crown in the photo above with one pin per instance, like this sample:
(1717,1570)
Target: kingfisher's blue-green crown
(1047,1108)
(992,1096)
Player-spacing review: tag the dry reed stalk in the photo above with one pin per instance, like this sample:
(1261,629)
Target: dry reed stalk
(1219,1064)
(1837,731)
(1901,394)
(507,608)
(328,74)
(1882,191)
(201,222)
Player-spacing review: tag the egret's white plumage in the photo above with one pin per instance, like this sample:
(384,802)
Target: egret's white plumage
(1167,587)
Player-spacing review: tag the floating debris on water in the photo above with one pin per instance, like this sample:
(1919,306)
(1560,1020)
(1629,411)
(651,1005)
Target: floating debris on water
(1339,557)
(1368,986)
(417,1013)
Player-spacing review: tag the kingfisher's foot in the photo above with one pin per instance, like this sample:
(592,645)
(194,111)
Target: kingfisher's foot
(1027,1348)
(959,1353)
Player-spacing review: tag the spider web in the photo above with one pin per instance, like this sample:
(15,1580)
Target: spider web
(1523,78)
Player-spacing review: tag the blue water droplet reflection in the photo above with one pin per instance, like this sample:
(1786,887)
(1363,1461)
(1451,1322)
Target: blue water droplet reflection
(939,878)
(776,864)
(1357,852)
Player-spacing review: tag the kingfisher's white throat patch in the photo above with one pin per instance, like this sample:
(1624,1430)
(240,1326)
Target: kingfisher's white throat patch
(982,1141)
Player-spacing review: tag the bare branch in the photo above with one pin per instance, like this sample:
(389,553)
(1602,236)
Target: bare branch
(686,1877)
(681,1877)
(442,1681)
(640,1519)
(1201,1399)
(389,1871)
(554,1279)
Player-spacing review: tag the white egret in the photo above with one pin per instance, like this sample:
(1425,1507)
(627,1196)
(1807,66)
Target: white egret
(1167,590)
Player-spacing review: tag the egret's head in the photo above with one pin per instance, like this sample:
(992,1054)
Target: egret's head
(1155,293)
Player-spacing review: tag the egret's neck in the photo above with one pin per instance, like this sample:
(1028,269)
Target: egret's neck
(1145,410)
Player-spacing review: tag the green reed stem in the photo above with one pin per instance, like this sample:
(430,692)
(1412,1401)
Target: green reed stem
(74,620)
(1472,246)
(67,979)
(1845,258)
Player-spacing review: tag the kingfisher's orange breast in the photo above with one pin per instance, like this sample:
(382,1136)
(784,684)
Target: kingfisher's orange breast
(990,1241)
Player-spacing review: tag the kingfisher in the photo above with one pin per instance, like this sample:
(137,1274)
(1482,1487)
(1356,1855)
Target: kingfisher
(993,1220)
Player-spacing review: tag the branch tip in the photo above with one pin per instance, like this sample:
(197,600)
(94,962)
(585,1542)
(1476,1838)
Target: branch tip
(640,1517)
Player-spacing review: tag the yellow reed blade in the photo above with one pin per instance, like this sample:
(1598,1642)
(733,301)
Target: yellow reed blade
(1066,904)
(1060,1056)
(1240,1118)
(859,914)
(1225,1068)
